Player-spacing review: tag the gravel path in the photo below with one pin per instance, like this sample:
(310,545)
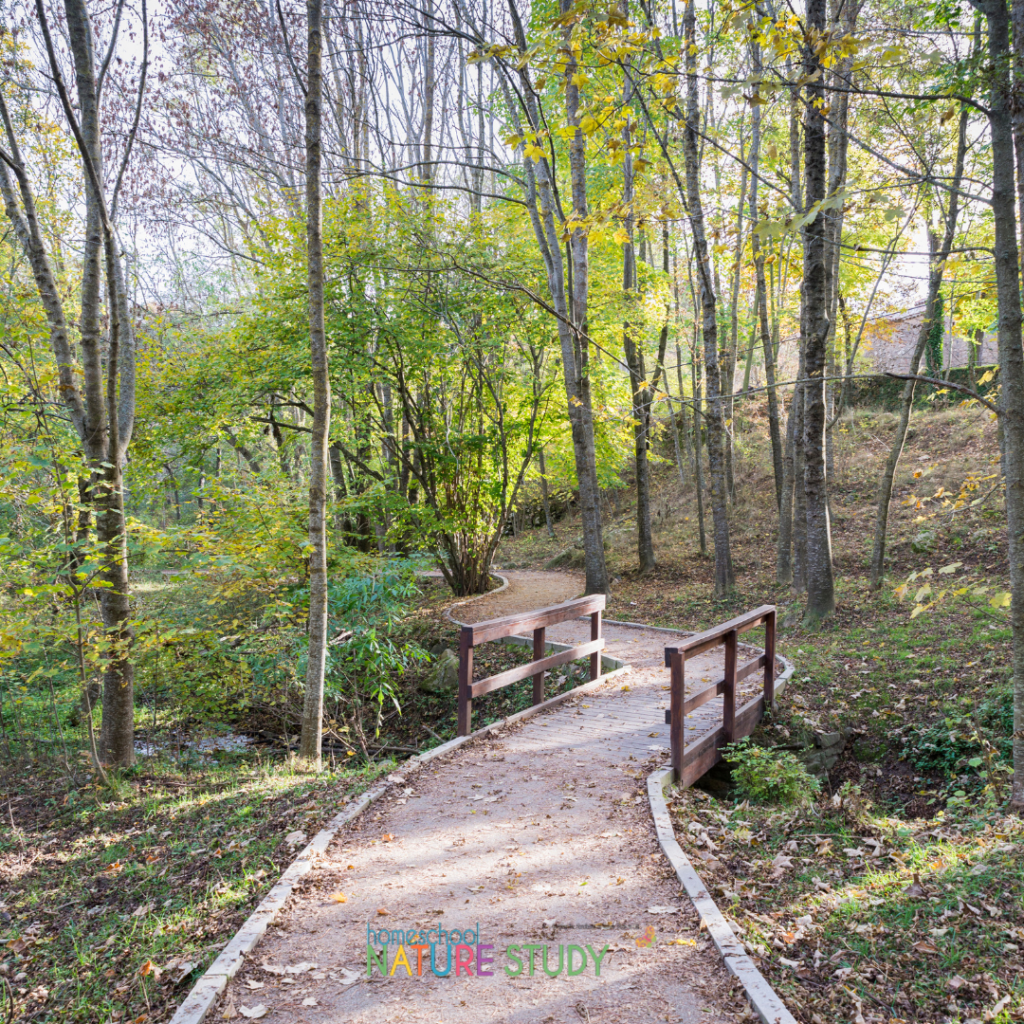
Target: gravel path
(538,835)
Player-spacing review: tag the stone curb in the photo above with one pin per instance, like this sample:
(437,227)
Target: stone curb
(762,997)
(208,989)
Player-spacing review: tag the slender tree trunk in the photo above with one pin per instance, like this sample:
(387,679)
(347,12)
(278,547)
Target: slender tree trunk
(937,263)
(568,297)
(635,361)
(784,549)
(1017,7)
(1011,353)
(761,296)
(698,435)
(544,492)
(580,401)
(820,585)
(724,580)
(313,705)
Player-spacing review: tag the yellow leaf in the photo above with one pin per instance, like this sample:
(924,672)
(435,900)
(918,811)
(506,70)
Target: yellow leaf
(339,897)
(1001,600)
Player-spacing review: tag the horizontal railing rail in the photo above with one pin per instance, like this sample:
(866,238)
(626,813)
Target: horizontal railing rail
(476,633)
(689,765)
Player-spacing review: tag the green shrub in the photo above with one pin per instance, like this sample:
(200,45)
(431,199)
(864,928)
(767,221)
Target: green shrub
(769,776)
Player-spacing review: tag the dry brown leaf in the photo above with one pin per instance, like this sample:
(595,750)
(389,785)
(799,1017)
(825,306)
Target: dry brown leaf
(916,889)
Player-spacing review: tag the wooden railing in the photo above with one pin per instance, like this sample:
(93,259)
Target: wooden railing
(690,765)
(511,625)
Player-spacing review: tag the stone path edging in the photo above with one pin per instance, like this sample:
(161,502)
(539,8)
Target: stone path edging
(762,997)
(208,988)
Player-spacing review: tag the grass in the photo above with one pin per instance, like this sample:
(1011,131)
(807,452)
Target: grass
(857,915)
(113,904)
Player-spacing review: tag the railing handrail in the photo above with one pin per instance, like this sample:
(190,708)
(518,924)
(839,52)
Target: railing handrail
(510,625)
(700,642)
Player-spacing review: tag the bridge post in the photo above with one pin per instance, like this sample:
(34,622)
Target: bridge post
(465,680)
(769,660)
(595,634)
(677,722)
(729,693)
(539,644)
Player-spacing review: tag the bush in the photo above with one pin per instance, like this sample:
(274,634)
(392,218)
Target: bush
(770,776)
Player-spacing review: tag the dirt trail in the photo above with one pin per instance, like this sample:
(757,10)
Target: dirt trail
(539,835)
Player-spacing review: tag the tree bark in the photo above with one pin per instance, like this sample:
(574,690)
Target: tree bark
(937,263)
(102,415)
(1011,352)
(761,297)
(815,324)
(635,359)
(724,580)
(313,705)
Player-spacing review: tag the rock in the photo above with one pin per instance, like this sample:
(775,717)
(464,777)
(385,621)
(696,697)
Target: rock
(444,676)
(923,542)
(826,740)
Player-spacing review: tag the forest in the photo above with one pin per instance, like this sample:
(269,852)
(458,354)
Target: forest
(319,320)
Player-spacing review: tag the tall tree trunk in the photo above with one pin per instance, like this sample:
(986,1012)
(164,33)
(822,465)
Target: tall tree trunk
(635,359)
(724,580)
(568,291)
(761,297)
(580,401)
(820,585)
(544,492)
(936,265)
(101,415)
(784,549)
(699,432)
(1011,353)
(313,705)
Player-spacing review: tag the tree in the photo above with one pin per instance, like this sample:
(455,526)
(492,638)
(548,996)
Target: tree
(815,326)
(101,407)
(313,705)
(1011,349)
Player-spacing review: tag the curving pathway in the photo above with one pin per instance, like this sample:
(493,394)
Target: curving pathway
(537,835)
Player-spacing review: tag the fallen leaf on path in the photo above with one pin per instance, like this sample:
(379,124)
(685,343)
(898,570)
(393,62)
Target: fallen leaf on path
(309,1001)
(924,946)
(662,910)
(338,897)
(294,838)
(387,837)
(383,911)
(253,1012)
(253,984)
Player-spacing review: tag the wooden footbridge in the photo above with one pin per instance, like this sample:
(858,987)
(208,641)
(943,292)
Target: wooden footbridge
(718,686)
